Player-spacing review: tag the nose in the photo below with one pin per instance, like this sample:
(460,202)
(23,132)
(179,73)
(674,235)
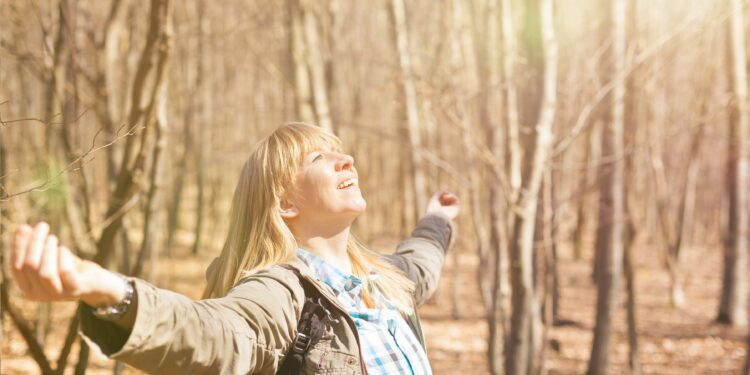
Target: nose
(344,162)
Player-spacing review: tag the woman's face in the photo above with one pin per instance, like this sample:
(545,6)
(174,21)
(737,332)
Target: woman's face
(327,187)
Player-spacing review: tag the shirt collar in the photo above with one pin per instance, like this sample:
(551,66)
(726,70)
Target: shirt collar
(331,275)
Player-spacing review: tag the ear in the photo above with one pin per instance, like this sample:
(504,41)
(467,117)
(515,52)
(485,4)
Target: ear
(288,210)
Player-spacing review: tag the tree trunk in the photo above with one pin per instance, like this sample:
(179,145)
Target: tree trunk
(611,210)
(491,115)
(550,296)
(83,358)
(77,205)
(298,57)
(173,212)
(630,139)
(552,284)
(316,68)
(583,209)
(734,283)
(510,98)
(153,222)
(200,201)
(202,108)
(522,357)
(143,105)
(633,359)
(401,35)
(469,149)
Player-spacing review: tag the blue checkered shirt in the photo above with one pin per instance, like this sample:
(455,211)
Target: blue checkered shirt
(388,344)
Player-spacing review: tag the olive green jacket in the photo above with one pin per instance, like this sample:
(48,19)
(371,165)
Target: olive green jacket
(250,330)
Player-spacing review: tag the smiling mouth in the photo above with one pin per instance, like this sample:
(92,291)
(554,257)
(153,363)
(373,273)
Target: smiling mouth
(347,184)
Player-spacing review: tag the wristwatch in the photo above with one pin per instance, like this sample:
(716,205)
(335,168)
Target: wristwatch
(116,311)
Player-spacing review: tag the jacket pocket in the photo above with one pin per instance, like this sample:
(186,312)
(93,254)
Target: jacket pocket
(322,359)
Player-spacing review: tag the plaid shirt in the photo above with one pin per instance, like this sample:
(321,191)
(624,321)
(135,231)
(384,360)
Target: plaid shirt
(388,344)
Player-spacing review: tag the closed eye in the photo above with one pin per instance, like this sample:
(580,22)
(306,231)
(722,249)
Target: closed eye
(319,156)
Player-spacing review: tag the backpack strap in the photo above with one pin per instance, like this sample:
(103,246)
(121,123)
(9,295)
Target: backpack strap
(314,322)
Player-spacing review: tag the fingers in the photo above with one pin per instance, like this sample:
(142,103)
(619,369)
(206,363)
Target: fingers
(32,259)
(35,263)
(18,255)
(36,247)
(48,268)
(20,243)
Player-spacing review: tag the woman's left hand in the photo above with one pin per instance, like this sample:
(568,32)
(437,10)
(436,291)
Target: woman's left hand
(444,202)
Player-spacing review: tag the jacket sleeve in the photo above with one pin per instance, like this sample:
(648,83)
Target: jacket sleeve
(247,331)
(421,256)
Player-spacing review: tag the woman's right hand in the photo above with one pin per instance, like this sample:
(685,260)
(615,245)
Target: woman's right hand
(46,271)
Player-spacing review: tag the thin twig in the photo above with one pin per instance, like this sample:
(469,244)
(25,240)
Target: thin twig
(70,167)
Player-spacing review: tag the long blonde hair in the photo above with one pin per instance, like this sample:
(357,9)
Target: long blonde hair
(258,236)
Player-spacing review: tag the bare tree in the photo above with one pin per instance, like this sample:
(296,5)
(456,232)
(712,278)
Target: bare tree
(401,34)
(201,103)
(524,337)
(151,72)
(631,129)
(611,207)
(732,307)
(308,65)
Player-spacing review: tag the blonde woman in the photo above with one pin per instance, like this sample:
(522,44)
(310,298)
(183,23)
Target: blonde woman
(291,292)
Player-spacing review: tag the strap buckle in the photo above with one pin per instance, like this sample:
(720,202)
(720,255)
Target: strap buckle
(301,342)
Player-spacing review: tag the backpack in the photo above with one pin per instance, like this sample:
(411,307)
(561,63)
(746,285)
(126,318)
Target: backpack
(314,321)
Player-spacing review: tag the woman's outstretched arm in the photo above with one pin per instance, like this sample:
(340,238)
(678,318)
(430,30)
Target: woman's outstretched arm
(46,271)
(164,332)
(421,256)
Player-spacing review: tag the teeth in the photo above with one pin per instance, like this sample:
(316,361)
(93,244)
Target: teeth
(347,183)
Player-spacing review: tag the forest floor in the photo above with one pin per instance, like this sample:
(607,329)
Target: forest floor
(672,341)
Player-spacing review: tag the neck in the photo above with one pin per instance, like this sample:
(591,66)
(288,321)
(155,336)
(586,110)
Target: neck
(329,244)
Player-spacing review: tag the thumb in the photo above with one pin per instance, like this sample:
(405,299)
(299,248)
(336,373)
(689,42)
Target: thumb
(447,198)
(69,272)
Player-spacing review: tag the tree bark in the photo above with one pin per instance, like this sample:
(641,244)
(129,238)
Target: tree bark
(634,361)
(486,43)
(732,308)
(173,218)
(401,35)
(316,67)
(611,210)
(522,358)
(299,63)
(143,106)
(152,219)
(551,292)
(630,139)
(583,209)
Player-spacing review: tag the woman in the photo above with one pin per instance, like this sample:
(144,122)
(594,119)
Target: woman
(289,262)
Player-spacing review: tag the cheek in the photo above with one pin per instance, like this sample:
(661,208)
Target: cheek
(313,190)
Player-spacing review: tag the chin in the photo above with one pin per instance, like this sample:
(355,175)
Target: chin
(357,208)
(362,205)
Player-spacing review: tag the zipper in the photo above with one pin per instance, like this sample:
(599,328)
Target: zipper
(348,319)
(416,324)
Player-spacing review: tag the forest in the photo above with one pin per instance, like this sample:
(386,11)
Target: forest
(600,150)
